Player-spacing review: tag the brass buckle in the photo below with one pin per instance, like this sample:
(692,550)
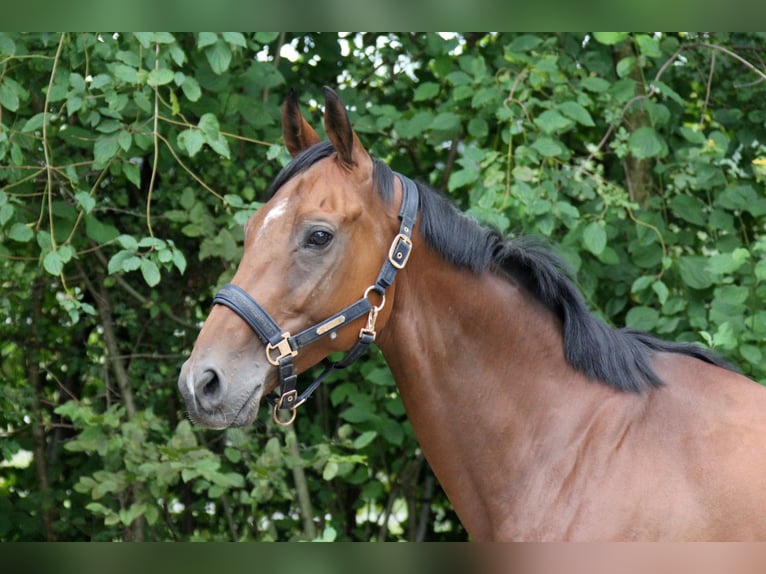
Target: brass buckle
(398,258)
(283,348)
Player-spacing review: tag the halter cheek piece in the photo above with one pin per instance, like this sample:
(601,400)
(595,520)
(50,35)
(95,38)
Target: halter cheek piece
(281,346)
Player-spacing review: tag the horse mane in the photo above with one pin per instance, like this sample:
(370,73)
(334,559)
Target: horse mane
(619,358)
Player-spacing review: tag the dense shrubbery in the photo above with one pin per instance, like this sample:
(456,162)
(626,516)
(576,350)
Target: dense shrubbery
(128,164)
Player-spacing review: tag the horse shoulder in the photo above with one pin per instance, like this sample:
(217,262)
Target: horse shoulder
(715,420)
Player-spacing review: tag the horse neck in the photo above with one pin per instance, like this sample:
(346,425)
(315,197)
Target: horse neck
(481,370)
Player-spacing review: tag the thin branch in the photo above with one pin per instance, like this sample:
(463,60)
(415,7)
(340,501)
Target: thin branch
(708,89)
(46,151)
(189,171)
(737,57)
(155,133)
(191,126)
(104,306)
(301,485)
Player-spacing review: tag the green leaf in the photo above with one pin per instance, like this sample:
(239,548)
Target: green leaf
(219,56)
(86,202)
(115,261)
(179,260)
(266,37)
(34,123)
(524,43)
(104,149)
(160,77)
(446,122)
(641,283)
(610,38)
(760,270)
(73,104)
(462,178)
(725,263)
(742,197)
(642,318)
(208,125)
(551,121)
(220,146)
(364,439)
(357,413)
(191,140)
(751,354)
(625,66)
(132,172)
(53,263)
(577,112)
(692,135)
(191,89)
(595,84)
(648,46)
(127,74)
(414,126)
(205,39)
(661,290)
(689,209)
(645,142)
(128,242)
(594,237)
(725,337)
(235,38)
(21,232)
(6,212)
(9,96)
(694,272)
(548,147)
(150,271)
(425,91)
(99,231)
(330,470)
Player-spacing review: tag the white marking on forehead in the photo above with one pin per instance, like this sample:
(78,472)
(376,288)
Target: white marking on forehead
(274,214)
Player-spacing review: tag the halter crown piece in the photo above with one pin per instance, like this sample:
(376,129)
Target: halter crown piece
(282,347)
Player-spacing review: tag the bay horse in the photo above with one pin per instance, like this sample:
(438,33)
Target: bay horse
(539,420)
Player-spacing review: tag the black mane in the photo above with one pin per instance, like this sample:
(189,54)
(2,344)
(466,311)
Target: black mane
(619,358)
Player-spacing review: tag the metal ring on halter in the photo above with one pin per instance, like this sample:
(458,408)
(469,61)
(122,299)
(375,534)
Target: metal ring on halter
(377,308)
(275,416)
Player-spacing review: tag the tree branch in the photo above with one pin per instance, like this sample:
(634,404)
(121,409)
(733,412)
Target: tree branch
(301,485)
(47,508)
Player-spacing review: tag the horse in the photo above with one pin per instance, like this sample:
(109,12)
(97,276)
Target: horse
(540,421)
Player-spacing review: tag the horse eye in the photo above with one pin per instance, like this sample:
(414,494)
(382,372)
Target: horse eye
(318,239)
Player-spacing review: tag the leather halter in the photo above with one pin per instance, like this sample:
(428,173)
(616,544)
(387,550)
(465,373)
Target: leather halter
(282,347)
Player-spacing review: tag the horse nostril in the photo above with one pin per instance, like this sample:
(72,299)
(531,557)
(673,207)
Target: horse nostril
(209,390)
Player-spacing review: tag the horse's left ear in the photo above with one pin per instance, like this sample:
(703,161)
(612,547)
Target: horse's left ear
(350,150)
(298,134)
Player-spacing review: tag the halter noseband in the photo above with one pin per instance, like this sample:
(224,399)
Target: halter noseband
(281,346)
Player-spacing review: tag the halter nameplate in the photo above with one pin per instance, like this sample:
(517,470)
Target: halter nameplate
(282,347)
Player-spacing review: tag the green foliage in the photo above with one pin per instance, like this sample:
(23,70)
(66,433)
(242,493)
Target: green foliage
(129,164)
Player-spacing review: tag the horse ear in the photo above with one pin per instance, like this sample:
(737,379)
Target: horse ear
(298,134)
(350,150)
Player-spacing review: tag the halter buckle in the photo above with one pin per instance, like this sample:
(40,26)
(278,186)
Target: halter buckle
(283,347)
(400,250)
